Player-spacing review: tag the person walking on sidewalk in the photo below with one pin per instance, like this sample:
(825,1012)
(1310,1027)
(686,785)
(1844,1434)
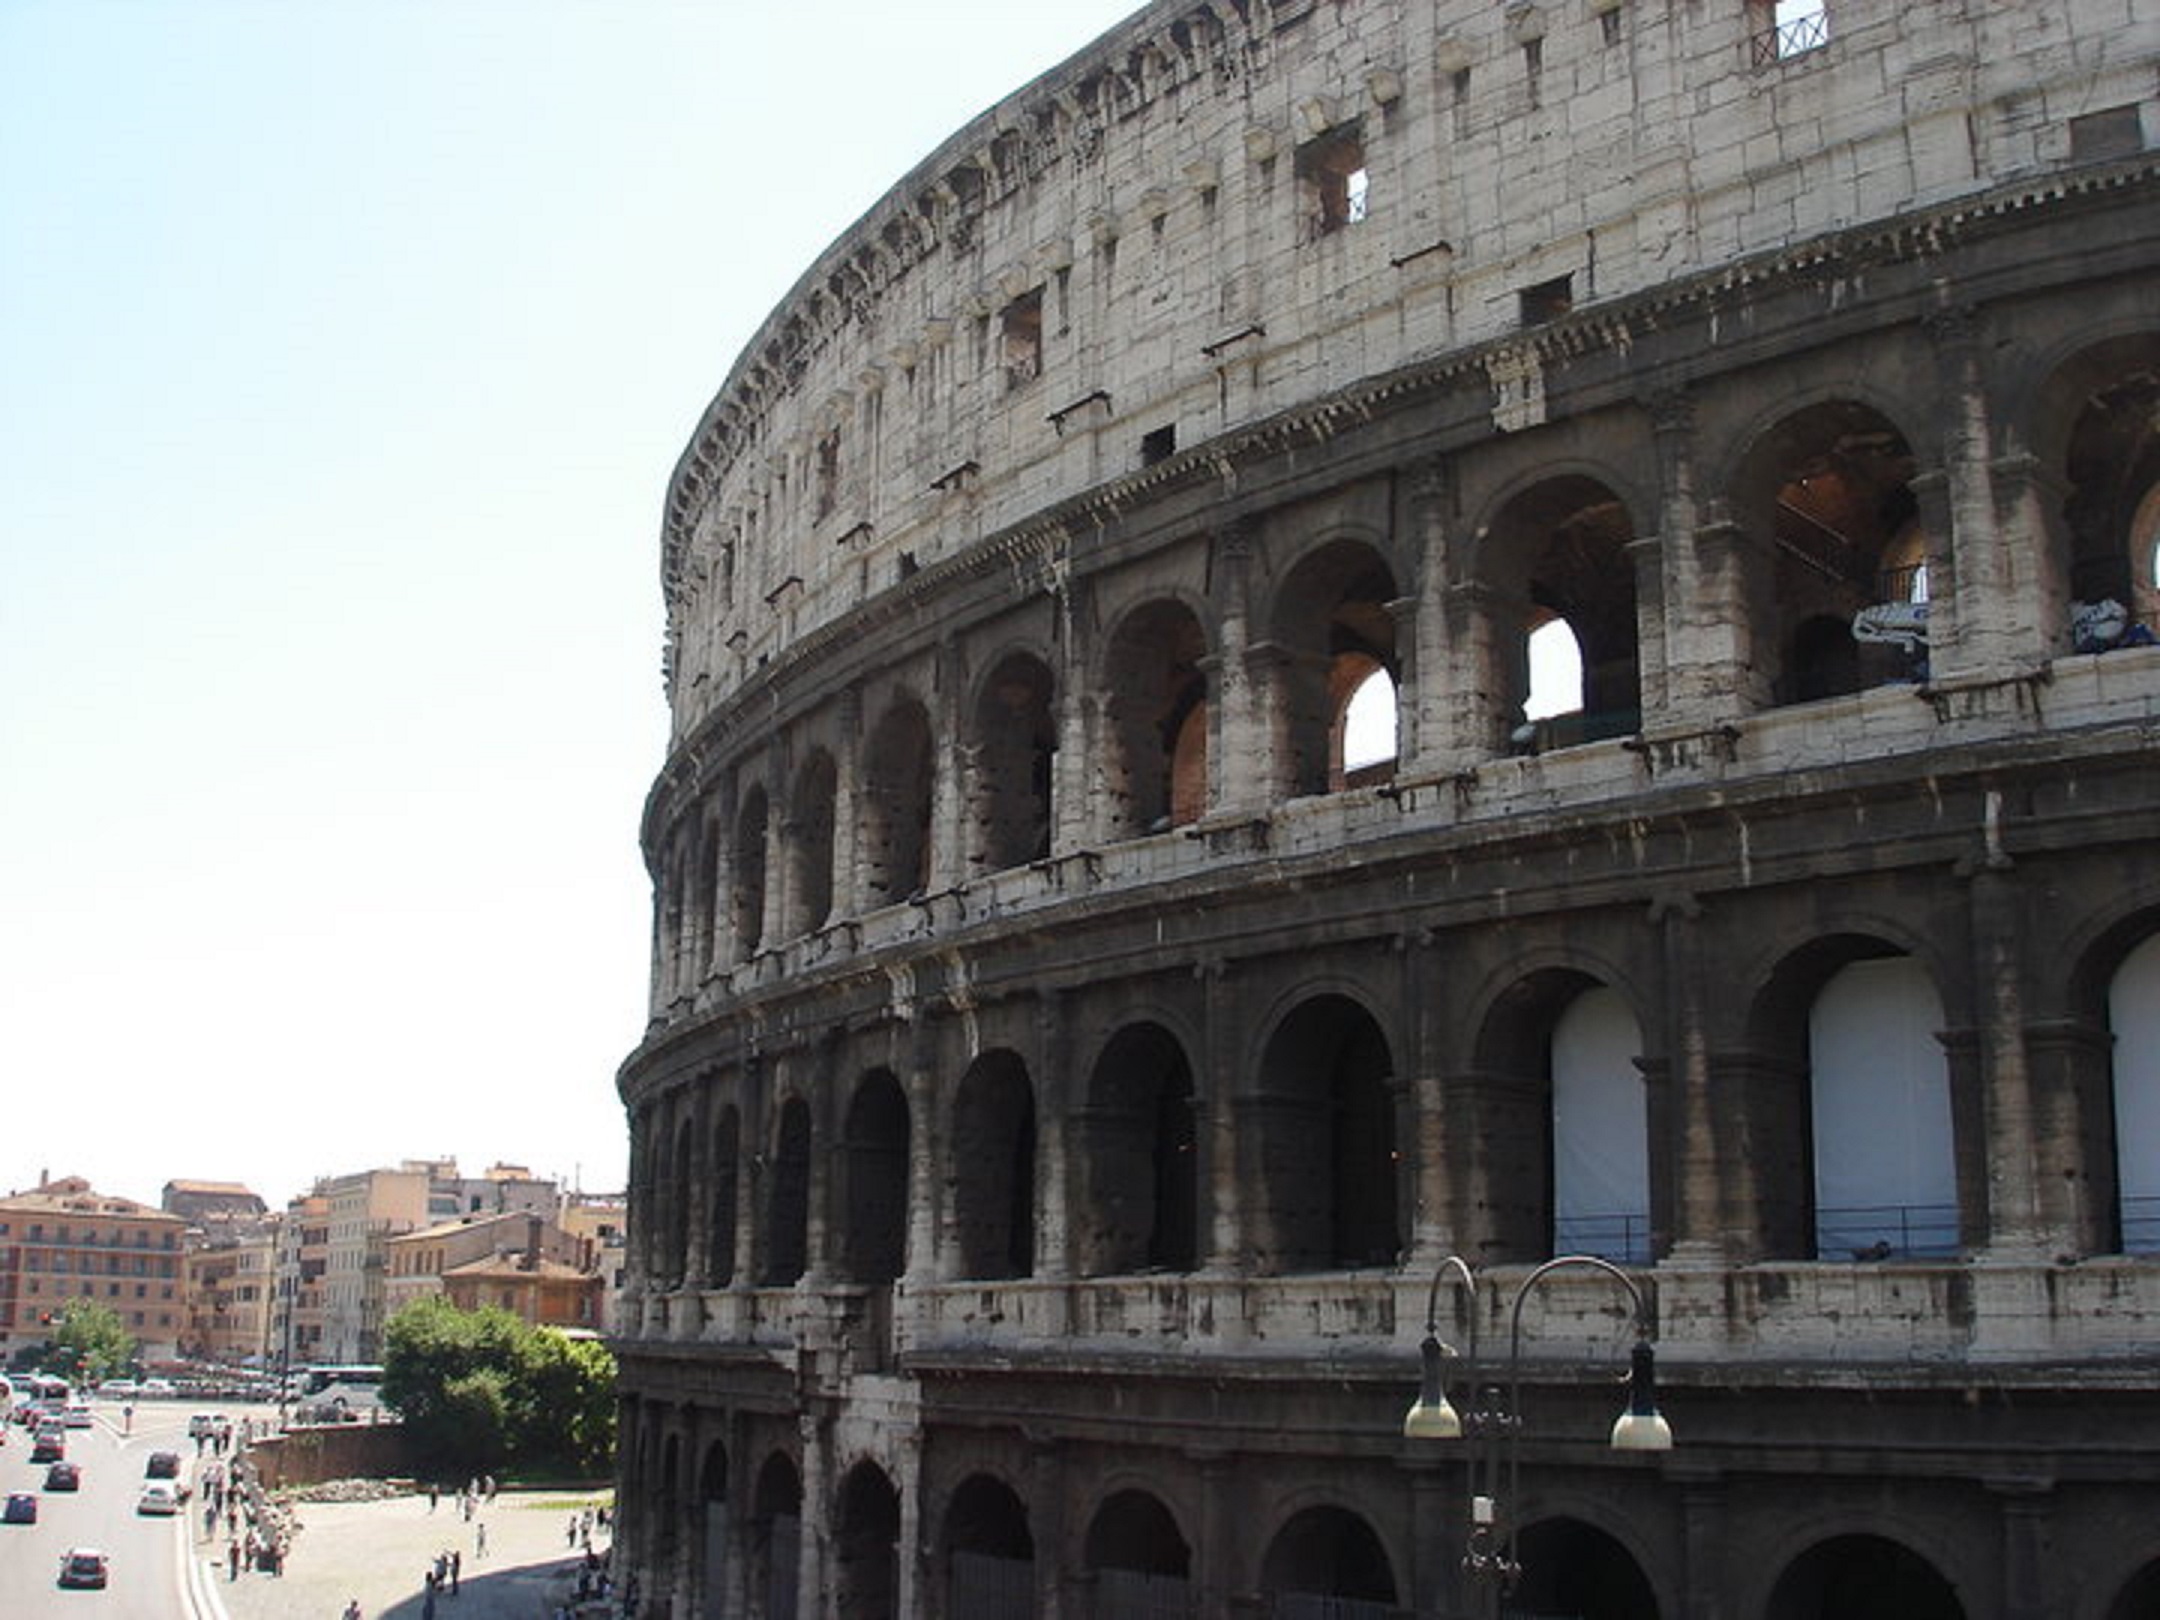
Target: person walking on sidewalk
(352,1611)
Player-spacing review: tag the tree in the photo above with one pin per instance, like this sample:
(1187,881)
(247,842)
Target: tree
(483,1390)
(89,1342)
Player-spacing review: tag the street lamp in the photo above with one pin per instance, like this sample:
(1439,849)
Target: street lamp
(1496,1413)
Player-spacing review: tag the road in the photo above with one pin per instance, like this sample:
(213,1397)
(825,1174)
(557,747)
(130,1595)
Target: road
(149,1572)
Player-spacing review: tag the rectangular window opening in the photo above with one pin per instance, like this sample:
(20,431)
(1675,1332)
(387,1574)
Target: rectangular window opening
(1548,300)
(1158,444)
(1333,183)
(1784,29)
(1020,335)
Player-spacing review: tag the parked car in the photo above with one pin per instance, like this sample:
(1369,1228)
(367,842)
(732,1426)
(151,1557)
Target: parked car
(162,1465)
(155,1388)
(63,1476)
(49,1446)
(119,1389)
(158,1497)
(201,1426)
(83,1566)
(21,1509)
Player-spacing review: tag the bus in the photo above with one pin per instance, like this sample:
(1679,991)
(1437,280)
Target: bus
(340,1394)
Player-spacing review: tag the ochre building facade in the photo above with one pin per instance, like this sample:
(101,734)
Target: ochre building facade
(1350,633)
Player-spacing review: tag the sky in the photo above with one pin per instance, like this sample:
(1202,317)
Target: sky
(345,351)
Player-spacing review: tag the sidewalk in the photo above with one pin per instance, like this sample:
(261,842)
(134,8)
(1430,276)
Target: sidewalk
(380,1553)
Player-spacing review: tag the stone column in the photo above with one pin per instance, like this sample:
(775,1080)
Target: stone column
(812,1600)
(926,1135)
(1696,1176)
(1435,1556)
(2028,1592)
(1473,701)
(909,1554)
(1054,1113)
(1709,602)
(2015,1227)
(1976,619)
(1046,1513)
(847,808)
(1703,1536)
(1241,760)
(2073,1104)
(948,796)
(1215,1123)
(824,1221)
(1075,813)
(1421,1112)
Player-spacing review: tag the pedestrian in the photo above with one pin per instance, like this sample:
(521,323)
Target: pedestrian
(427,1604)
(480,1539)
(433,1492)
(352,1611)
(570,1536)
(457,1562)
(232,1561)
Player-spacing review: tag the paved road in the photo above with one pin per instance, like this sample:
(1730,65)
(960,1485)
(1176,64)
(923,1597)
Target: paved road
(147,1562)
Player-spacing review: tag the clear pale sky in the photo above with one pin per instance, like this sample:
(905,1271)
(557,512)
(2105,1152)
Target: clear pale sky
(345,350)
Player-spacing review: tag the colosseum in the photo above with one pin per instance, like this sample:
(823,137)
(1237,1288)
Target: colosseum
(1377,700)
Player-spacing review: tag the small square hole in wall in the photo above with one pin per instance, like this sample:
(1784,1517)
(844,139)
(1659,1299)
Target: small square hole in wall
(1548,300)
(1020,338)
(1158,444)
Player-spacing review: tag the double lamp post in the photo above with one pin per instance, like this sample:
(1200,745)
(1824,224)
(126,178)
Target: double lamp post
(1493,1423)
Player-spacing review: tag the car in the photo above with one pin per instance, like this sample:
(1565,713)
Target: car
(76,1417)
(63,1476)
(118,1389)
(49,1446)
(21,1509)
(162,1465)
(84,1566)
(158,1497)
(201,1426)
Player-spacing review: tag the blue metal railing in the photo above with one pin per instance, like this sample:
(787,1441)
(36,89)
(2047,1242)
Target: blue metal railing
(1887,1232)
(1622,1239)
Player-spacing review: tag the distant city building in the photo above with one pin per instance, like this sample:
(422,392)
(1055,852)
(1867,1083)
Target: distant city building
(63,1241)
(204,1203)
(230,1273)
(602,1221)
(419,1262)
(303,1261)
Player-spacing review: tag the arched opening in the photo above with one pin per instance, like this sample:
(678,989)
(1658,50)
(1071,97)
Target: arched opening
(676,1271)
(874,1156)
(1830,489)
(747,894)
(993,1168)
(1323,1132)
(2139,1598)
(1016,740)
(1557,554)
(989,1553)
(775,1540)
(1862,1577)
(1141,1213)
(712,1494)
(1600,1130)
(899,780)
(1369,735)
(1140,1561)
(2133,1009)
(1326,1564)
(1573,1568)
(726,1171)
(810,842)
(1562,1123)
(2112,508)
(1879,1085)
(787,1220)
(1156,708)
(866,1574)
(1333,630)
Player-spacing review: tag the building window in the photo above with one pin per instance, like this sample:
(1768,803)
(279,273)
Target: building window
(1784,29)
(1020,339)
(1333,180)
(1547,301)
(1158,444)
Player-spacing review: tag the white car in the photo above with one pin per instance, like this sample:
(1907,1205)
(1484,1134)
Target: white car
(76,1417)
(156,1387)
(158,1497)
(201,1426)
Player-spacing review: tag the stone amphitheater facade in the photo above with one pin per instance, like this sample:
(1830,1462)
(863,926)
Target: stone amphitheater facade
(1137,892)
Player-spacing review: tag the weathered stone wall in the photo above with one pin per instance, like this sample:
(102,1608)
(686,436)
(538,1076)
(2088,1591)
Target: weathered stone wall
(312,1454)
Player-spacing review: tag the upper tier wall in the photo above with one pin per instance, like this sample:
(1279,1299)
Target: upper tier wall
(1155,244)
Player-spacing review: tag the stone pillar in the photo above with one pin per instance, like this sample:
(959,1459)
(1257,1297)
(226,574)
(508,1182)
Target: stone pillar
(926,1136)
(1431,739)
(1420,1112)
(1696,1176)
(1434,1555)
(1475,707)
(1054,1114)
(2072,1074)
(2028,1592)
(1703,1539)
(2015,1228)
(812,1600)
(1222,1530)
(2035,548)
(1978,617)
(910,1556)
(697,1196)
(1215,1123)
(1713,669)
(1046,1514)
(824,1223)
(1241,761)
(948,797)
(1074,808)
(847,808)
